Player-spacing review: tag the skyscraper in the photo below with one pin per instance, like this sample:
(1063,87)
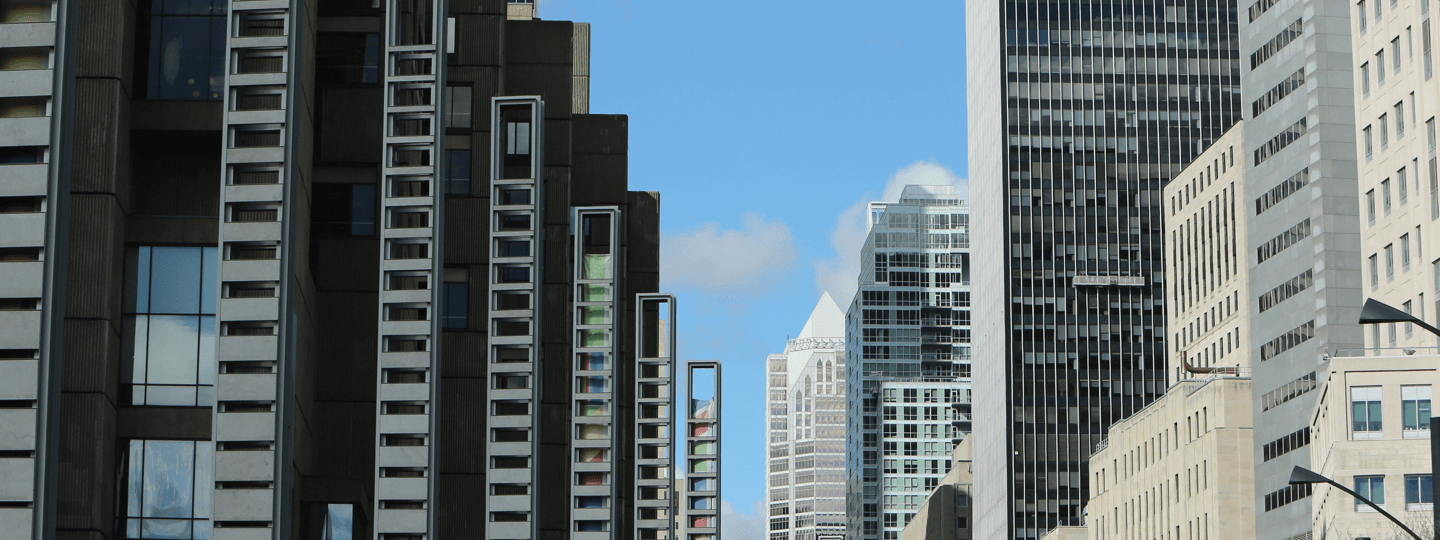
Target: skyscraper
(1079,114)
(322,269)
(907,349)
(805,472)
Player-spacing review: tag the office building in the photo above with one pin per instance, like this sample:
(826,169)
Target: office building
(1083,113)
(1304,249)
(805,471)
(322,269)
(946,515)
(1371,429)
(907,331)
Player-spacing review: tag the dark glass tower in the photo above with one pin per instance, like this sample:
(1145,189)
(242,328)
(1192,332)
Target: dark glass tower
(1080,113)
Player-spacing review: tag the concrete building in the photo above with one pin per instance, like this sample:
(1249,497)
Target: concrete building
(1371,433)
(907,331)
(1303,248)
(805,472)
(322,269)
(1079,119)
(1395,139)
(946,514)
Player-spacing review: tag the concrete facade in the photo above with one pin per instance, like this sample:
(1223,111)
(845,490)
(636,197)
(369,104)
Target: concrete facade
(1371,434)
(316,279)
(947,514)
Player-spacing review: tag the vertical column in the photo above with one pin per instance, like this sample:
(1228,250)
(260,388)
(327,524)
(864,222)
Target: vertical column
(261,187)
(516,214)
(410,271)
(34,137)
(702,451)
(593,434)
(655,416)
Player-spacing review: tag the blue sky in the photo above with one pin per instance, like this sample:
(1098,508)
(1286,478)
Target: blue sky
(765,126)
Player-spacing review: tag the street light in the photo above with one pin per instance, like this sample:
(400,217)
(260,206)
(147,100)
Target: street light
(1301,475)
(1377,312)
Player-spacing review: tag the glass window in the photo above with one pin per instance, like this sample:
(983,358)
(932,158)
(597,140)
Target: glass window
(1395,52)
(1402,185)
(1415,408)
(1370,206)
(1409,327)
(1425,41)
(1369,146)
(1370,487)
(1384,130)
(1362,18)
(334,521)
(1379,63)
(1385,195)
(347,59)
(1365,412)
(1430,133)
(1399,115)
(457,299)
(343,209)
(186,58)
(457,107)
(1418,489)
(457,172)
(166,489)
(1365,77)
(1390,262)
(170,330)
(1405,252)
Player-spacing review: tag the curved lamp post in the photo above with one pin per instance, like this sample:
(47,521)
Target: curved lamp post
(1301,475)
(1377,312)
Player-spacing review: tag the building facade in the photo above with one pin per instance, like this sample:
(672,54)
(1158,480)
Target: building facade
(908,327)
(805,471)
(1304,249)
(946,514)
(1371,429)
(323,269)
(1085,112)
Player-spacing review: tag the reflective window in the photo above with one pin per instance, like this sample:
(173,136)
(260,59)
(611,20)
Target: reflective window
(1415,408)
(1365,412)
(457,106)
(186,59)
(457,299)
(1370,487)
(170,330)
(331,521)
(166,490)
(1418,489)
(457,171)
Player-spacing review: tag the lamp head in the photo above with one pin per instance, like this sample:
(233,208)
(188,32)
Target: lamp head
(1301,475)
(1376,311)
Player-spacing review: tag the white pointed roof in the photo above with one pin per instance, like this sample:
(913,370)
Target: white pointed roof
(826,320)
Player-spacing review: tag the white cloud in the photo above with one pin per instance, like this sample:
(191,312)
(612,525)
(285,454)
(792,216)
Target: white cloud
(741,261)
(837,275)
(737,526)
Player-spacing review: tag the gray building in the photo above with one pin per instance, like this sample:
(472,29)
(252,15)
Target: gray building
(907,357)
(1302,203)
(1079,115)
(322,269)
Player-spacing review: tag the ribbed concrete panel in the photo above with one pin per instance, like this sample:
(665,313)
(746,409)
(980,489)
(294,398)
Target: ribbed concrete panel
(411,262)
(258,240)
(94,271)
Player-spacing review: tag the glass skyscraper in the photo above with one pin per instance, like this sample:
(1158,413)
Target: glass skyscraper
(1080,113)
(907,358)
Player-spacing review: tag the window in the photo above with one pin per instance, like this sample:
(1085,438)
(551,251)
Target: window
(1362,18)
(1425,46)
(457,107)
(1385,195)
(1369,146)
(1399,116)
(1402,185)
(1418,490)
(347,59)
(1389,262)
(170,330)
(457,172)
(1372,488)
(1379,63)
(186,58)
(1384,131)
(1430,134)
(1374,273)
(1395,53)
(343,209)
(337,521)
(1370,206)
(457,299)
(166,489)
(1365,412)
(1415,411)
(1364,74)
(1405,252)
(1377,11)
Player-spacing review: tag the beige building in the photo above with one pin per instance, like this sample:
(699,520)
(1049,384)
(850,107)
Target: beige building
(946,514)
(1371,433)
(1182,468)
(1396,99)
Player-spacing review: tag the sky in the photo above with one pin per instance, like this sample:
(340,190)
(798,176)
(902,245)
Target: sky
(766,127)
